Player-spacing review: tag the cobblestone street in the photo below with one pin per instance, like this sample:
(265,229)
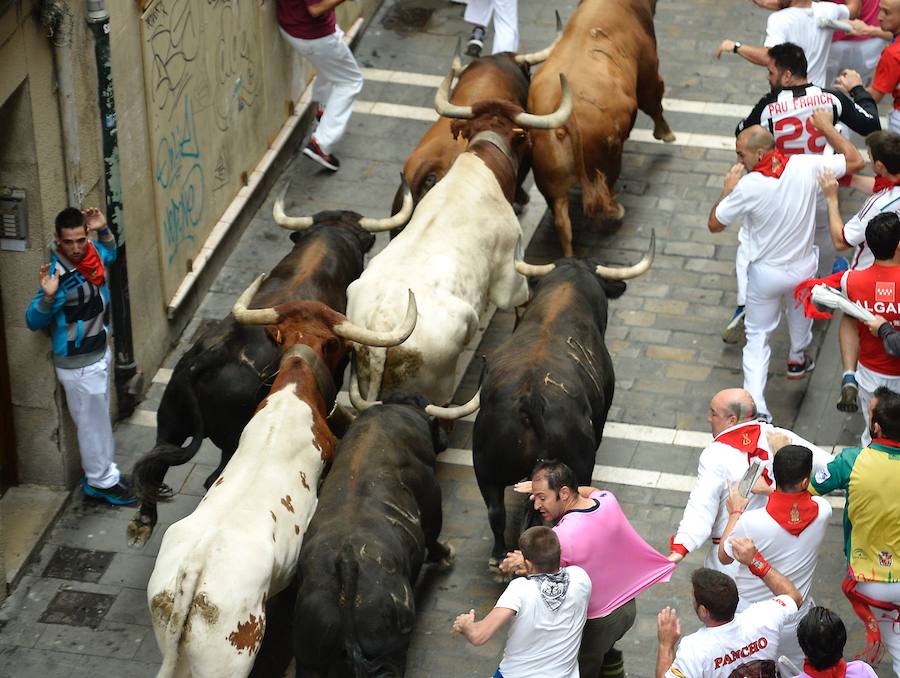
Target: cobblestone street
(80,609)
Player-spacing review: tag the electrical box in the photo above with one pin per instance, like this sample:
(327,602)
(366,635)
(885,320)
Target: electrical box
(13,223)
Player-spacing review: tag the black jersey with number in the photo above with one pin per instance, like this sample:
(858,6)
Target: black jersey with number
(786,114)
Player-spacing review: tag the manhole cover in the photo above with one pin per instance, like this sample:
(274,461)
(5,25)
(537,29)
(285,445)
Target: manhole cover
(78,564)
(77,608)
(406,18)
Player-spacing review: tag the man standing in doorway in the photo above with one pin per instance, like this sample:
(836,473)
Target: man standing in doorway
(311,28)
(74,303)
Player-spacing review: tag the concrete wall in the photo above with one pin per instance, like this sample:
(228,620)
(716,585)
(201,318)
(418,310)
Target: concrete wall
(31,158)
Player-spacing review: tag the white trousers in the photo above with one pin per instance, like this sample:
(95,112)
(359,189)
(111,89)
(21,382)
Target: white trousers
(869,381)
(506,21)
(338,82)
(860,55)
(87,395)
(888,622)
(894,121)
(768,289)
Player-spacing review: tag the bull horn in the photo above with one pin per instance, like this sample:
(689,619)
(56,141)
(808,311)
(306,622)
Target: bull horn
(558,118)
(396,221)
(456,65)
(256,316)
(356,399)
(283,220)
(627,272)
(537,57)
(457,412)
(367,337)
(442,101)
(534,270)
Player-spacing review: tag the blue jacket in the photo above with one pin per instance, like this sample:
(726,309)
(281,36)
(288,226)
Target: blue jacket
(78,317)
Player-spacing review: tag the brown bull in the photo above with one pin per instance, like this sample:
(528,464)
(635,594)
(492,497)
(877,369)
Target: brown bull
(608,53)
(503,76)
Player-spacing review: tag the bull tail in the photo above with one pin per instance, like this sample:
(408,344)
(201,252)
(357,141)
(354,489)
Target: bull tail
(185,587)
(149,471)
(595,194)
(347,569)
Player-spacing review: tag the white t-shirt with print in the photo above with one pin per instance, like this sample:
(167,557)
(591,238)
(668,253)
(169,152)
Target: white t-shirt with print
(544,642)
(779,214)
(886,200)
(800,25)
(751,636)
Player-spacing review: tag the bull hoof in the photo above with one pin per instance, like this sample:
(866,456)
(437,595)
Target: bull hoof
(667,136)
(617,213)
(139,531)
(496,573)
(518,208)
(445,560)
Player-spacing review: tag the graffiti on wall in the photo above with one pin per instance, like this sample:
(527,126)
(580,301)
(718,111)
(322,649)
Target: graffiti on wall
(202,81)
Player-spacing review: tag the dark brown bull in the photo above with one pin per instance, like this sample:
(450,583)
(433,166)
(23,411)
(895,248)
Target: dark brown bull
(608,52)
(503,76)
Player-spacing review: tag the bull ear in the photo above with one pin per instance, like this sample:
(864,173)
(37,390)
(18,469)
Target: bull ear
(439,437)
(613,288)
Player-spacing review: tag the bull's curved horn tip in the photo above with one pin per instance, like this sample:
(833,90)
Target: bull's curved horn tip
(559,24)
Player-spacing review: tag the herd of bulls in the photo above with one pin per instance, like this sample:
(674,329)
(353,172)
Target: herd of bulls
(317,521)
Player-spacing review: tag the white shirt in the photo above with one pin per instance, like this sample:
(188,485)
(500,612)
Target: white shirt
(886,200)
(800,25)
(794,557)
(750,636)
(705,515)
(779,214)
(544,642)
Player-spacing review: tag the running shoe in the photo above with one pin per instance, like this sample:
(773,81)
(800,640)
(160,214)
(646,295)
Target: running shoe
(735,327)
(799,370)
(849,394)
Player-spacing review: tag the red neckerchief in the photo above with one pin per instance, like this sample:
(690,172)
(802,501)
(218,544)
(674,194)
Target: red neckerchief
(862,605)
(745,439)
(803,294)
(887,443)
(882,183)
(839,670)
(772,164)
(91,267)
(794,511)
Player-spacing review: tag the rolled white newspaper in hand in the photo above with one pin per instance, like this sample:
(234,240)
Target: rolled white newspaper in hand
(832,298)
(789,665)
(835,25)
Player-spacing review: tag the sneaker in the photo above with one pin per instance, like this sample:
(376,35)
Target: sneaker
(840,265)
(798,370)
(326,160)
(735,327)
(766,417)
(119,494)
(849,393)
(476,42)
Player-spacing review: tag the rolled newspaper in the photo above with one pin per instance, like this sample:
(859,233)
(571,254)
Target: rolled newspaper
(835,25)
(832,298)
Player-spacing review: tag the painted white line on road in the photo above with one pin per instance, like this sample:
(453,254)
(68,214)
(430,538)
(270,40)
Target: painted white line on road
(737,111)
(632,477)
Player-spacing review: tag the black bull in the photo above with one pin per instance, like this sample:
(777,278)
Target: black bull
(377,521)
(218,383)
(548,388)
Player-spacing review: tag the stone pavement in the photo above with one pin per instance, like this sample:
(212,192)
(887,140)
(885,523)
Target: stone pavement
(80,609)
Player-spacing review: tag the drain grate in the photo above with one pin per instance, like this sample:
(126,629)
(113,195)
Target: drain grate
(77,608)
(78,564)
(406,18)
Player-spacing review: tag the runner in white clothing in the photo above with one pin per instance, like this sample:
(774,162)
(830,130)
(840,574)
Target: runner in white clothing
(738,439)
(789,530)
(802,23)
(884,153)
(729,644)
(547,609)
(776,199)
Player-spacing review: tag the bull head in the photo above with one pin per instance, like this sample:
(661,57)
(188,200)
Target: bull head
(550,121)
(454,412)
(608,272)
(367,223)
(338,322)
(533,58)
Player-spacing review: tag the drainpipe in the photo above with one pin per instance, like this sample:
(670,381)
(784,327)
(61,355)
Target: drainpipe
(57,19)
(128,379)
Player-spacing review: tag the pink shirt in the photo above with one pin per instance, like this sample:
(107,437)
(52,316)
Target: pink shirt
(619,562)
